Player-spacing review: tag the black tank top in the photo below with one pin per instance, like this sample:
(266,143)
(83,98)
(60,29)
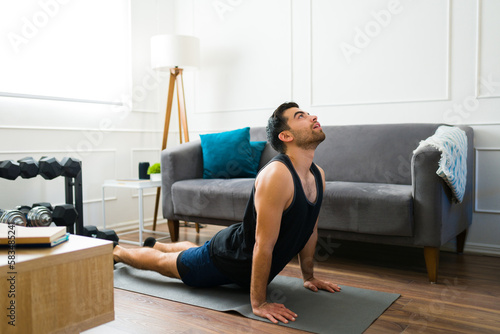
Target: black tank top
(232,248)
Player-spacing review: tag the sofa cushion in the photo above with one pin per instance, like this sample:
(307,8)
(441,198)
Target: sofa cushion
(372,208)
(230,154)
(212,198)
(377,153)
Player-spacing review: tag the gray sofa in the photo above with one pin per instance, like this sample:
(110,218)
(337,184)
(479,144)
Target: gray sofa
(377,189)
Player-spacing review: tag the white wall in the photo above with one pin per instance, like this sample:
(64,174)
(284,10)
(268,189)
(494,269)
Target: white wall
(349,62)
(352,62)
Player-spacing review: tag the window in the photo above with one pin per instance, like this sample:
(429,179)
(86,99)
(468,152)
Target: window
(69,50)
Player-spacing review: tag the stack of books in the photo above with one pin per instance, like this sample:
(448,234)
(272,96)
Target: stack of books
(20,236)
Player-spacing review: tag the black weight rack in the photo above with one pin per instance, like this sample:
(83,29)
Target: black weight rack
(73,189)
(74,195)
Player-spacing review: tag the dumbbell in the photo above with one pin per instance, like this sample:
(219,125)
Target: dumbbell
(90,231)
(64,215)
(94,232)
(14,217)
(26,216)
(107,235)
(29,167)
(50,168)
(70,167)
(42,214)
(45,204)
(26,167)
(9,169)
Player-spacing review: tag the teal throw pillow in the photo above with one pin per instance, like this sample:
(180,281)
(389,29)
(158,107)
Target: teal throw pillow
(230,154)
(257,149)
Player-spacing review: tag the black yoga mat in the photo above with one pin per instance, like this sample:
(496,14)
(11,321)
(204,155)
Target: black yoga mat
(352,310)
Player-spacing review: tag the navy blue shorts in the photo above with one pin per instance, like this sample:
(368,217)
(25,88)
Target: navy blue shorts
(196,268)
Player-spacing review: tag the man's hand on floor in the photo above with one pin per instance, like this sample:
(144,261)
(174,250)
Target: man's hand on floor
(315,284)
(275,312)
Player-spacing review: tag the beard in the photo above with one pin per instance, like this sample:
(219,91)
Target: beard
(308,140)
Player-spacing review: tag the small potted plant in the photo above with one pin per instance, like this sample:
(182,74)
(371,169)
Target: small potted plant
(154,172)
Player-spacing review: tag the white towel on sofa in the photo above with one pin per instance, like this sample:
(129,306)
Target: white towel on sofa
(452,143)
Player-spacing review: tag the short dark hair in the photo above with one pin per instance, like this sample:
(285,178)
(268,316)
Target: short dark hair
(276,124)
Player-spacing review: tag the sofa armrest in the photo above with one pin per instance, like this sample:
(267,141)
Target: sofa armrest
(182,162)
(437,219)
(427,188)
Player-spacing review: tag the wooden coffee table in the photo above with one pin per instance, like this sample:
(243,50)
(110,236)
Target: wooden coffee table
(64,289)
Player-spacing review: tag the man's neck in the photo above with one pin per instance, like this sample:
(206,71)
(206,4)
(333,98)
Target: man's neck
(301,160)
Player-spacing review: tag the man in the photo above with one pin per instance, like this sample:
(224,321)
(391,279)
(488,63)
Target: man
(280,222)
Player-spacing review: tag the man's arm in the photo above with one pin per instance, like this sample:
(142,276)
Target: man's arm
(306,260)
(273,193)
(306,256)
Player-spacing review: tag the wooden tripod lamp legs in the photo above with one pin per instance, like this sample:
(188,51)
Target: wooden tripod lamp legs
(175,77)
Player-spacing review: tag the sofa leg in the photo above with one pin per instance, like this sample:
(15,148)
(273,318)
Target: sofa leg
(431,255)
(461,241)
(173,229)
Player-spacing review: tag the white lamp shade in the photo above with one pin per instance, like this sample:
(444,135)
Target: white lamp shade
(169,51)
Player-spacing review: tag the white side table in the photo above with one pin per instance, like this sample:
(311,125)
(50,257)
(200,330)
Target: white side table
(133,184)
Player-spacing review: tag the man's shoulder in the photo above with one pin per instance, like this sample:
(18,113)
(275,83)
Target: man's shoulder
(275,168)
(276,173)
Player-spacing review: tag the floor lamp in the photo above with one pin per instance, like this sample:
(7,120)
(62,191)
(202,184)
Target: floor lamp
(174,53)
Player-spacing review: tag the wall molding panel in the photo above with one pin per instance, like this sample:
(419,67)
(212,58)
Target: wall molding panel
(376,55)
(487,180)
(487,50)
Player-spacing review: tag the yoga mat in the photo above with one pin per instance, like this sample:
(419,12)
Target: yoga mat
(352,310)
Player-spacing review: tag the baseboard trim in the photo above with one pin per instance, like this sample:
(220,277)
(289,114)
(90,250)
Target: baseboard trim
(482,249)
(473,248)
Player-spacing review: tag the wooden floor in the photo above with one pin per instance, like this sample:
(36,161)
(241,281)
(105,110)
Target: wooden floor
(465,300)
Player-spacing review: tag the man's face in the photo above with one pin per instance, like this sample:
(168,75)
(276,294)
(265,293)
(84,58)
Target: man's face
(306,130)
